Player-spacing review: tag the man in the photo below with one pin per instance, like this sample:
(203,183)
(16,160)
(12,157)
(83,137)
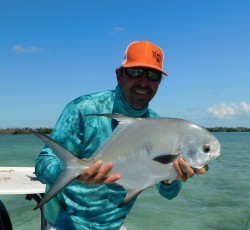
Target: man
(92,200)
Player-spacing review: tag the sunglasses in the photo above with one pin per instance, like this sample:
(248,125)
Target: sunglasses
(152,75)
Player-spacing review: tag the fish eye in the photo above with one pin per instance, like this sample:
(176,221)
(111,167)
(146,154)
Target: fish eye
(206,148)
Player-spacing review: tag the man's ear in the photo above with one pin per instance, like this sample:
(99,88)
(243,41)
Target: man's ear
(118,74)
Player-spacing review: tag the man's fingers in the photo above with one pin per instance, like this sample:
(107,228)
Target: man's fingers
(102,174)
(111,179)
(202,170)
(180,174)
(91,171)
(96,174)
(183,170)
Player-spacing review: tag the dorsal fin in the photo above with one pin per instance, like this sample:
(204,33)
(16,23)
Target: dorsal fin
(119,117)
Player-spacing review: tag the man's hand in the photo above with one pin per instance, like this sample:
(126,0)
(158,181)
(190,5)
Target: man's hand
(98,174)
(184,171)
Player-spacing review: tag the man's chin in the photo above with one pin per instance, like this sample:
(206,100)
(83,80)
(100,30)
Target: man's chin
(140,105)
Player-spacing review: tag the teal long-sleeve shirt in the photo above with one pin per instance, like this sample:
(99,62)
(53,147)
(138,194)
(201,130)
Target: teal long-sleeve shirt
(81,206)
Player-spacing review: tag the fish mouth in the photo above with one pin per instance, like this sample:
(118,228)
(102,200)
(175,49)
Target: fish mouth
(214,155)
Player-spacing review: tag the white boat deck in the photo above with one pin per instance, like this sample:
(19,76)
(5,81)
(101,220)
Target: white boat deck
(19,180)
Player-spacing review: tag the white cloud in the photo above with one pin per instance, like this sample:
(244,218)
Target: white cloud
(117,30)
(245,106)
(32,49)
(232,110)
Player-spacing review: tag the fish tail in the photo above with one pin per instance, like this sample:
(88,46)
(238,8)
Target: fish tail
(72,167)
(62,153)
(66,176)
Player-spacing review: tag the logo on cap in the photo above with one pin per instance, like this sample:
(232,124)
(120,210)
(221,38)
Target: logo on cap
(157,56)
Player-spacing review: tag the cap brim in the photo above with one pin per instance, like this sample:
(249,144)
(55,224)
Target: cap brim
(143,65)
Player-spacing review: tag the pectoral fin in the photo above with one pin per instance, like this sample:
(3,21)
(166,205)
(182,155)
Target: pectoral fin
(166,158)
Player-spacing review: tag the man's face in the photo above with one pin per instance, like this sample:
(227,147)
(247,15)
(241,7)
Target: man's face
(138,92)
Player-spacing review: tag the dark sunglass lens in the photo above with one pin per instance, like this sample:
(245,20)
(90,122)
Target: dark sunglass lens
(154,75)
(133,72)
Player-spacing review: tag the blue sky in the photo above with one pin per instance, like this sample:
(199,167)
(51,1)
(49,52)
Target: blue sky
(54,51)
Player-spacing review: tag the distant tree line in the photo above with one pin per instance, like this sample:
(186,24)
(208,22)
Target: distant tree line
(14,131)
(228,129)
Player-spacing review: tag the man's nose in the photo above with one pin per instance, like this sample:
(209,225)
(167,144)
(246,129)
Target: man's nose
(143,80)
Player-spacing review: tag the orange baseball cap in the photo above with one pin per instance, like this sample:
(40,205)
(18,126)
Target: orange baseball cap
(144,54)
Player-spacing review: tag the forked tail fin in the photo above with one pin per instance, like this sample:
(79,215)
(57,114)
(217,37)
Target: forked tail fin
(72,167)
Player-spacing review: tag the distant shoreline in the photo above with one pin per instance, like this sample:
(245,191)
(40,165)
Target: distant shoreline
(16,131)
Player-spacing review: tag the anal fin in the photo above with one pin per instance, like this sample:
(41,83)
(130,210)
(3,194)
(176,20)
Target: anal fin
(130,196)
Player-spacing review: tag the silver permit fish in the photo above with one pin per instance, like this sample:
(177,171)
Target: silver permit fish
(142,151)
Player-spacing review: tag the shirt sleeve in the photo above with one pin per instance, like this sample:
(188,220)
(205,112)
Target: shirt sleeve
(67,132)
(169,191)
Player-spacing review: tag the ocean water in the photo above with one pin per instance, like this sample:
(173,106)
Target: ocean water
(218,200)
